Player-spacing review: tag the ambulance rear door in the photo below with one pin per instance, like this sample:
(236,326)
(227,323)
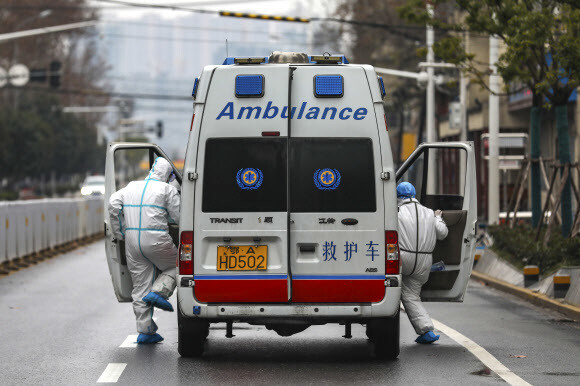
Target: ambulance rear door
(337,228)
(240,243)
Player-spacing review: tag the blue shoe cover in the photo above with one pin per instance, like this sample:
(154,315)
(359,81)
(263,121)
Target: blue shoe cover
(158,301)
(149,338)
(427,338)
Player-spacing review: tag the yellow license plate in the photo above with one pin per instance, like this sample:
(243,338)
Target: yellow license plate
(242,258)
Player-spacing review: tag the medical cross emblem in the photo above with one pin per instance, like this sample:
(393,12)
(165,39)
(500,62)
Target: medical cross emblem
(327,177)
(249,178)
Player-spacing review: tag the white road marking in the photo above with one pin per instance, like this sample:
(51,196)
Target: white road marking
(112,373)
(130,341)
(480,353)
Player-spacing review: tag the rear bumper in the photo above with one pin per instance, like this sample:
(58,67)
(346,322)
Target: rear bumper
(312,312)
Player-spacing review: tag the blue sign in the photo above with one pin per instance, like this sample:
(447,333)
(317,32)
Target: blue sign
(327,179)
(249,178)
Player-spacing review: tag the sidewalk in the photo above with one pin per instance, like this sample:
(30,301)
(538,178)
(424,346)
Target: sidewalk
(499,274)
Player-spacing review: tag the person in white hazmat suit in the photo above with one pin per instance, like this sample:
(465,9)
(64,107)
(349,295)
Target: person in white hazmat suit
(140,214)
(419,230)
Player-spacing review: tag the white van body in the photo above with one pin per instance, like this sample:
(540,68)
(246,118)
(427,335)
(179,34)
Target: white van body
(285,218)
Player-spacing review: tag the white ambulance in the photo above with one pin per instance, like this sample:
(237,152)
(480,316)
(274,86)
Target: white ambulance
(289,207)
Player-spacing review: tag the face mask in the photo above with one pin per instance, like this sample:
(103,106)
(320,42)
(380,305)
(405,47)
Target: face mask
(171,177)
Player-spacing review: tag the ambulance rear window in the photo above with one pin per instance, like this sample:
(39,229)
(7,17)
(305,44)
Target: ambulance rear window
(332,175)
(244,175)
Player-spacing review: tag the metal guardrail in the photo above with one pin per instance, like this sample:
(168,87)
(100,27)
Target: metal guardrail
(32,227)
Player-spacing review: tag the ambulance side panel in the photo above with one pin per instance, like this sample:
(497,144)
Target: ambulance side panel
(190,162)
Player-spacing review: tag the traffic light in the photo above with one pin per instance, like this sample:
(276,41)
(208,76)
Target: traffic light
(54,74)
(159,129)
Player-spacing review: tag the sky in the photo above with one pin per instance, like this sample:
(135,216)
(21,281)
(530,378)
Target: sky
(162,51)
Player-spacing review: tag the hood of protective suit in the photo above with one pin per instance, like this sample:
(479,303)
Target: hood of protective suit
(160,170)
(402,200)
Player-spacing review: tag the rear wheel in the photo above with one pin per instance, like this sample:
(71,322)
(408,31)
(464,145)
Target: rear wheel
(191,336)
(384,334)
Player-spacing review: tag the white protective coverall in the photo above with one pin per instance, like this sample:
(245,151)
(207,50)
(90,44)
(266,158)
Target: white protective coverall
(419,230)
(140,214)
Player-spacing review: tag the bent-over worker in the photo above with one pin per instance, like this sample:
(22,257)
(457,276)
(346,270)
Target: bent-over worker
(419,230)
(140,214)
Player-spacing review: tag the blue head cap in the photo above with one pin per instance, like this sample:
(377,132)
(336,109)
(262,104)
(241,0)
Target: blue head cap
(405,190)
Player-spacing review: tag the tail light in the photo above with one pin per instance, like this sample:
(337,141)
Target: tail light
(185,253)
(393,260)
(386,126)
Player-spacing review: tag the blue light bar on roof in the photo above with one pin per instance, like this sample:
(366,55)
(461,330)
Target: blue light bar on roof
(328,86)
(382,86)
(194,91)
(248,86)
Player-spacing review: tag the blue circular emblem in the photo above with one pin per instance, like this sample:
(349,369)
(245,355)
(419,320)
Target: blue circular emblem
(249,178)
(327,179)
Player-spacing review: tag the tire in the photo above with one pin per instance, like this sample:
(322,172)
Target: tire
(191,336)
(384,334)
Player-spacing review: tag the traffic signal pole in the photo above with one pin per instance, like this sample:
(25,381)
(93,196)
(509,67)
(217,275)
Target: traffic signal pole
(430,121)
(493,163)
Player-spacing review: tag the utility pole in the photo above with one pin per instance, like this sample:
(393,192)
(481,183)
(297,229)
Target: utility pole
(463,102)
(430,121)
(493,163)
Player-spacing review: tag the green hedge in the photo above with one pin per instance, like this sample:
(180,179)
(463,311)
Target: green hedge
(518,245)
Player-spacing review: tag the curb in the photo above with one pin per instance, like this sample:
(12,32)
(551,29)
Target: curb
(569,310)
(18,264)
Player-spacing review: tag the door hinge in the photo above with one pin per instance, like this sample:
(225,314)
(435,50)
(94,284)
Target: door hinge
(385,176)
(192,176)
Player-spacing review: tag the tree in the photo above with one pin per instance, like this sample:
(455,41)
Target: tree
(36,138)
(542,51)
(375,34)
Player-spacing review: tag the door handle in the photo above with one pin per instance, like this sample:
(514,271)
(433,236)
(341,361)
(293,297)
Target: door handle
(307,248)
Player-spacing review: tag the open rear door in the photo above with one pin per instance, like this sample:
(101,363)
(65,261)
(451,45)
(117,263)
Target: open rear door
(240,223)
(444,177)
(337,226)
(126,162)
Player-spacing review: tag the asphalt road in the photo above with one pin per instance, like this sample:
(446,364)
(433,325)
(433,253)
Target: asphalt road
(61,324)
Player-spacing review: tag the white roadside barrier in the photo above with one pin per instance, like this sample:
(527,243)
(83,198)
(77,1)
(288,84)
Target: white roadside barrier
(35,227)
